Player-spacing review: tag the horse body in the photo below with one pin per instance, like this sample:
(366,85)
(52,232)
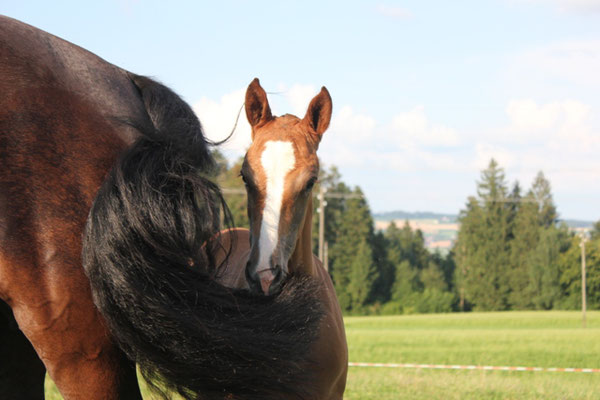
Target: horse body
(279,170)
(56,145)
(330,351)
(59,139)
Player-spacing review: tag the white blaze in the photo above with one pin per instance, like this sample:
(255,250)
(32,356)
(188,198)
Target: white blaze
(277,160)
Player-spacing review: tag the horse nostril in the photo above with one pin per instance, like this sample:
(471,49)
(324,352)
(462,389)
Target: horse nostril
(252,280)
(275,286)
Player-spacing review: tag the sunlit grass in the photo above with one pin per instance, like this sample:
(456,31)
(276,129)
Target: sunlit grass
(537,339)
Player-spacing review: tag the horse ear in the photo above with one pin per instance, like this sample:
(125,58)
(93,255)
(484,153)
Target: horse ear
(257,105)
(318,114)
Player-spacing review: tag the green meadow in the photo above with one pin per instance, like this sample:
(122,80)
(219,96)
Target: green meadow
(535,339)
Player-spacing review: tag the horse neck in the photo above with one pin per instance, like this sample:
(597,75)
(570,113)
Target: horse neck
(302,259)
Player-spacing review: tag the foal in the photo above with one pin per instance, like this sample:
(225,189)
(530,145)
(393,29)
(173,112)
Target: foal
(279,171)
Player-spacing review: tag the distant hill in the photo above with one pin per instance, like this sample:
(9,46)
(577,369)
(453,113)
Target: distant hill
(440,230)
(404,215)
(452,218)
(575,223)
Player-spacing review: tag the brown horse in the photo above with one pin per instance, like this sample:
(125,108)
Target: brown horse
(149,291)
(279,171)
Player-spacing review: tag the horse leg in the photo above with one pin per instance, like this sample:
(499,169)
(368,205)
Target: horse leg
(53,307)
(22,373)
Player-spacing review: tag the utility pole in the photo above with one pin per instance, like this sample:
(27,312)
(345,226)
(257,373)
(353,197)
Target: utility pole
(326,256)
(322,191)
(583,279)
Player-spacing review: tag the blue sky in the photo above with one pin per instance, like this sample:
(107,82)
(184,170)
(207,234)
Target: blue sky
(425,92)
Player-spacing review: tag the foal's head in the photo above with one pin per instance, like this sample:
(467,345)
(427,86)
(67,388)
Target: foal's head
(279,170)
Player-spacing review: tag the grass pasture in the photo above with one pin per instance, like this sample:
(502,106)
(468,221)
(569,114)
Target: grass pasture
(533,339)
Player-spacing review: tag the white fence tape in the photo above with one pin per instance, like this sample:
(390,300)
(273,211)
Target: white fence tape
(472,367)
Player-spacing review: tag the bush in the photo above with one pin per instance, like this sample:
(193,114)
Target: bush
(434,301)
(428,301)
(392,308)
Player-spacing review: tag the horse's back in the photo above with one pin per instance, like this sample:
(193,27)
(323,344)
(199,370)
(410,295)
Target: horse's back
(57,139)
(33,61)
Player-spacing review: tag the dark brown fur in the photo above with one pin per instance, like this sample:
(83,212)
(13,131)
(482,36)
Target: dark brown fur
(55,149)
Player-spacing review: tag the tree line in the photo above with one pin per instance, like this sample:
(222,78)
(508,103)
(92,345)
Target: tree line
(511,253)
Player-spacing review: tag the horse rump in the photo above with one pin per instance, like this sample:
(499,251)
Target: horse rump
(148,251)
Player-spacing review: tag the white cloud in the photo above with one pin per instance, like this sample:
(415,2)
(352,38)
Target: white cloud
(394,11)
(412,128)
(299,97)
(562,125)
(352,127)
(558,138)
(358,140)
(218,120)
(571,6)
(348,138)
(484,152)
(527,115)
(575,61)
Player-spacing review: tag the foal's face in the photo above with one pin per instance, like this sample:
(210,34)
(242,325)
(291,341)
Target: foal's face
(279,170)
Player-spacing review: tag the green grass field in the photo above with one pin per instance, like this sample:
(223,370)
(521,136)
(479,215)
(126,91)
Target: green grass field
(536,339)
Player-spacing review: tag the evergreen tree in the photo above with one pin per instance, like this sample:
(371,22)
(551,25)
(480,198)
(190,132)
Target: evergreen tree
(235,194)
(421,279)
(363,274)
(355,227)
(405,278)
(513,205)
(411,245)
(220,161)
(468,254)
(535,242)
(433,278)
(385,270)
(332,183)
(406,281)
(595,233)
(526,233)
(593,276)
(484,244)
(492,187)
(447,266)
(544,271)
(570,273)
(541,193)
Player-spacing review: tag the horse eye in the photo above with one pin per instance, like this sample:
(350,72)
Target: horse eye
(310,183)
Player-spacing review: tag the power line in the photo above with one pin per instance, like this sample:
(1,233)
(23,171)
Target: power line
(328,195)
(505,200)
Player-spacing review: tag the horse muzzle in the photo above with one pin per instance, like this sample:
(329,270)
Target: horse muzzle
(267,281)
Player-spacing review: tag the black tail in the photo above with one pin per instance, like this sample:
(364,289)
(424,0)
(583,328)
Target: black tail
(155,216)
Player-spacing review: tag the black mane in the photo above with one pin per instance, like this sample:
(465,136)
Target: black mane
(153,217)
